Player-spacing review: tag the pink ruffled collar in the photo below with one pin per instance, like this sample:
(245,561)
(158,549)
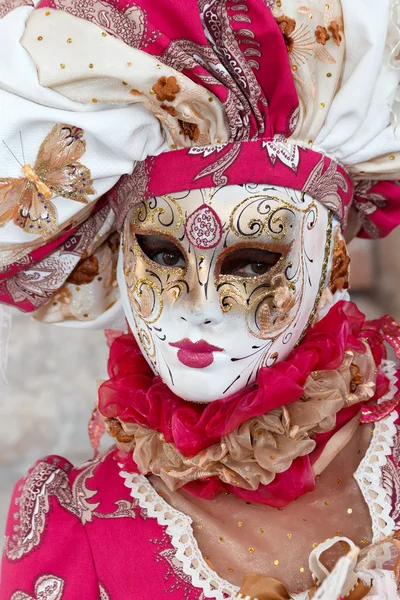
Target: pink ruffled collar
(134,394)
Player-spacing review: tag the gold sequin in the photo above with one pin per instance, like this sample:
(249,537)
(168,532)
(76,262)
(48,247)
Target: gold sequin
(240,524)
(289,535)
(326,503)
(261,530)
(40,38)
(338,533)
(173,146)
(310,142)
(302,569)
(124,83)
(272,457)
(85,315)
(128,62)
(158,66)
(69,41)
(230,570)
(294,68)
(276,562)
(94,100)
(219,141)
(314,545)
(221,539)
(349,511)
(199,526)
(47,13)
(103,33)
(329,74)
(392,157)
(322,105)
(91,65)
(363,541)
(251,550)
(211,99)
(62,65)
(339,480)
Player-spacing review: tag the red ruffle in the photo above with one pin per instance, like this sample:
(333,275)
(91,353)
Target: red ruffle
(134,394)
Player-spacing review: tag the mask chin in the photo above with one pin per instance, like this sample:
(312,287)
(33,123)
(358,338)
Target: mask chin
(209,345)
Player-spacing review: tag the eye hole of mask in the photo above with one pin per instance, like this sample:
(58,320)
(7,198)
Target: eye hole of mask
(249,262)
(161,250)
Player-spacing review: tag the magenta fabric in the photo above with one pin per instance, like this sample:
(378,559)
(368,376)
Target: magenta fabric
(79,529)
(79,532)
(256,89)
(258,162)
(31,281)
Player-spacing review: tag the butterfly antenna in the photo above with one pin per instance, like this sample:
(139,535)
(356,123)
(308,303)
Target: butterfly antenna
(11,152)
(22,147)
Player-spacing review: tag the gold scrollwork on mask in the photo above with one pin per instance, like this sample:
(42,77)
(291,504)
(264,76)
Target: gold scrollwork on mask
(177,288)
(162,213)
(274,222)
(150,300)
(147,342)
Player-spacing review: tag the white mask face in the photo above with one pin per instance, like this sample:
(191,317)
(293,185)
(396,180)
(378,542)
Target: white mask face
(221,282)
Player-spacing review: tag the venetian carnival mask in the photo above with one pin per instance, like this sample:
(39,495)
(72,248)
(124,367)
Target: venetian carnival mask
(220,282)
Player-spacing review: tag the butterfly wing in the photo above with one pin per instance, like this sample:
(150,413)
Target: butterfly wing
(36,214)
(11,191)
(63,145)
(58,165)
(71,181)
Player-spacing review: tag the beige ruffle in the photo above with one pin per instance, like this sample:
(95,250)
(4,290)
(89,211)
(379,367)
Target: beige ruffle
(262,446)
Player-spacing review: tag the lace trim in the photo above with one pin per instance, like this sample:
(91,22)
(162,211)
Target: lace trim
(179,525)
(179,528)
(369,472)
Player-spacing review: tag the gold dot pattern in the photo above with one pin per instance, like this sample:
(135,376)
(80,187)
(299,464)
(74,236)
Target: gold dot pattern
(252,536)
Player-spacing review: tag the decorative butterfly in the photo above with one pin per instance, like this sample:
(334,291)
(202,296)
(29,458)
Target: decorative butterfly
(57,172)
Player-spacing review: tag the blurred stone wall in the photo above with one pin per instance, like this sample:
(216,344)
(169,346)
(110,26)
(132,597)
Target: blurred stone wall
(52,374)
(387,270)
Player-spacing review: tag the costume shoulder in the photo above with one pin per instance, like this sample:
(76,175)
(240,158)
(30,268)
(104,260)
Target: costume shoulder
(46,551)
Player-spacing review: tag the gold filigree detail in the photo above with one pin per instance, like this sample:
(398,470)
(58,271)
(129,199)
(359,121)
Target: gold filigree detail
(322,278)
(145,213)
(143,289)
(262,225)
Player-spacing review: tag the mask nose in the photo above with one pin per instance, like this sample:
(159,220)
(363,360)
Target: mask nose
(201,307)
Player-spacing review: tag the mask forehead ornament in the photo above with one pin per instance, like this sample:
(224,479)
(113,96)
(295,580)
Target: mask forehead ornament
(219,288)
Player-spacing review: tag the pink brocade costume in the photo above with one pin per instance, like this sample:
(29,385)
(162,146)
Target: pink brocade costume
(65,523)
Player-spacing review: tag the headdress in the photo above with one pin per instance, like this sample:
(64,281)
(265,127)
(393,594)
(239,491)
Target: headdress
(245,91)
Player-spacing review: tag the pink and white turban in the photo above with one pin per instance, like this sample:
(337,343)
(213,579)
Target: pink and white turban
(195,94)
